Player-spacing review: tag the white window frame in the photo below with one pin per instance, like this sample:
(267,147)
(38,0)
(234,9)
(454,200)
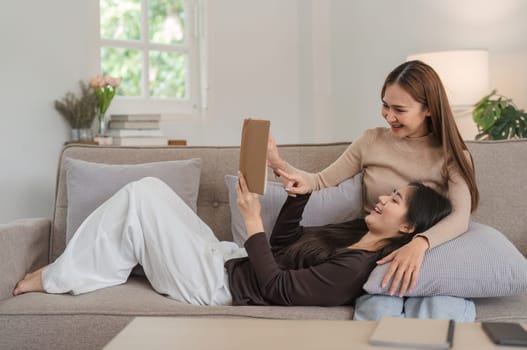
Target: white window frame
(193,45)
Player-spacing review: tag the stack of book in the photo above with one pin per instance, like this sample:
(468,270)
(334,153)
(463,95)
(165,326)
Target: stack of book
(136,130)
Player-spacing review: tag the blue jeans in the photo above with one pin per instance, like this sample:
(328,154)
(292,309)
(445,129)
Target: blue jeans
(374,307)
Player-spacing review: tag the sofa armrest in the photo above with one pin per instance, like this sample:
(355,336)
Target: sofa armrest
(24,247)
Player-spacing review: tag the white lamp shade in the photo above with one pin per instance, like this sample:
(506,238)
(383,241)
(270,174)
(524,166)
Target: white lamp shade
(464,73)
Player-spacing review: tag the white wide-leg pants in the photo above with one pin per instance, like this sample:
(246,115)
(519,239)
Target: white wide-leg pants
(145,222)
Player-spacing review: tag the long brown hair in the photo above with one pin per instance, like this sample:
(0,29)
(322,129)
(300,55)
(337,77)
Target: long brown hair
(424,85)
(426,207)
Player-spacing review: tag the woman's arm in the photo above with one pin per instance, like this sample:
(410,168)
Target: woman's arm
(287,228)
(337,281)
(407,260)
(249,206)
(457,222)
(298,181)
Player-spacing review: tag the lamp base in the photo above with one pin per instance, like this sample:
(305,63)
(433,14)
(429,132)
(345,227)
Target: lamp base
(465,124)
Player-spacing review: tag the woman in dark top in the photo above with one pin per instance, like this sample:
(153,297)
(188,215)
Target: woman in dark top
(147,223)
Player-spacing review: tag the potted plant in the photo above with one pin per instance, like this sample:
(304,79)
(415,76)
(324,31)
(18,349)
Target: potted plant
(105,89)
(498,118)
(79,111)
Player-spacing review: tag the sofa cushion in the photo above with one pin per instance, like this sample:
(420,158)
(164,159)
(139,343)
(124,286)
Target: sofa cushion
(507,309)
(137,298)
(501,170)
(90,184)
(328,206)
(480,263)
(122,301)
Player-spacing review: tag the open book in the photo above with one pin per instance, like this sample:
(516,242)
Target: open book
(413,333)
(253,153)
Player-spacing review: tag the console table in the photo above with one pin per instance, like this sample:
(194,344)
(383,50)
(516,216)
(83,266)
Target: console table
(170,143)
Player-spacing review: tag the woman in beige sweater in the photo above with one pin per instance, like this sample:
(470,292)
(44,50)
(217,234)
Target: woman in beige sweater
(422,143)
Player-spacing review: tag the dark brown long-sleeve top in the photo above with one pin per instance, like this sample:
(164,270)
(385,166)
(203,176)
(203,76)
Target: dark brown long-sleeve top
(261,279)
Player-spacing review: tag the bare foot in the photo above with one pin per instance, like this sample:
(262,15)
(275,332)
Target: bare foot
(32,282)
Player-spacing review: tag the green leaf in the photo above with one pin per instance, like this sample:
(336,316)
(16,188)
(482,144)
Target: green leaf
(498,118)
(522,126)
(487,119)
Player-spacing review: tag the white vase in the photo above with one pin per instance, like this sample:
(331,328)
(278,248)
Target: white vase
(101,129)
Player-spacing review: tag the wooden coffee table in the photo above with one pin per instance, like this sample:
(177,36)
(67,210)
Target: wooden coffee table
(153,333)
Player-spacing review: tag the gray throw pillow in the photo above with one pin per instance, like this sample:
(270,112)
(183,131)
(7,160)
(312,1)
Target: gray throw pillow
(480,263)
(327,206)
(90,184)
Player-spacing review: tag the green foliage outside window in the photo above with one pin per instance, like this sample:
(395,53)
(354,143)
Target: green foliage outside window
(168,82)
(125,64)
(167,21)
(167,70)
(120,19)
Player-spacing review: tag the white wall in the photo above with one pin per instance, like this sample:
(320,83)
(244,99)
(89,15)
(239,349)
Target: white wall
(252,72)
(314,67)
(254,64)
(45,51)
(370,38)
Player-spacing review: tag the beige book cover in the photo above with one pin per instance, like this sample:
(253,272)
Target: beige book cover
(413,333)
(253,153)
(140,141)
(133,125)
(135,117)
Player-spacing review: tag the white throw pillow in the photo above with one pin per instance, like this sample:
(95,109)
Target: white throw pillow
(327,206)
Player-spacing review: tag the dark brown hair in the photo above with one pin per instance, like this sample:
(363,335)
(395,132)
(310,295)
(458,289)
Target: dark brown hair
(317,244)
(424,85)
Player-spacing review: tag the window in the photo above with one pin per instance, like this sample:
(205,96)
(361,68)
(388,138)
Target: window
(153,46)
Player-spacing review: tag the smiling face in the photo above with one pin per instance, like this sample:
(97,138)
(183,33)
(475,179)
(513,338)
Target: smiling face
(389,217)
(406,116)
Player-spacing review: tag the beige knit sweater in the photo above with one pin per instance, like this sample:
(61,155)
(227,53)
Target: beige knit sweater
(389,163)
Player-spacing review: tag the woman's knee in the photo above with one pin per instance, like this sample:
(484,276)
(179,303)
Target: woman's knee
(374,307)
(458,309)
(147,185)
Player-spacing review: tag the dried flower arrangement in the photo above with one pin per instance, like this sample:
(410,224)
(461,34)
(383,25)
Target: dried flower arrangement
(79,111)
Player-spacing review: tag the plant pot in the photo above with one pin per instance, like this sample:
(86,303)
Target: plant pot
(85,134)
(75,135)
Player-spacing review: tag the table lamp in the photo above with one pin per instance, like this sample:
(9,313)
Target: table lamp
(465,75)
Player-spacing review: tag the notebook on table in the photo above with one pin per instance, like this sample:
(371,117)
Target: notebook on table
(413,333)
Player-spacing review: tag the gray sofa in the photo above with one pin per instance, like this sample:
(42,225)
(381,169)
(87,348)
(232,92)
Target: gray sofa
(89,321)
